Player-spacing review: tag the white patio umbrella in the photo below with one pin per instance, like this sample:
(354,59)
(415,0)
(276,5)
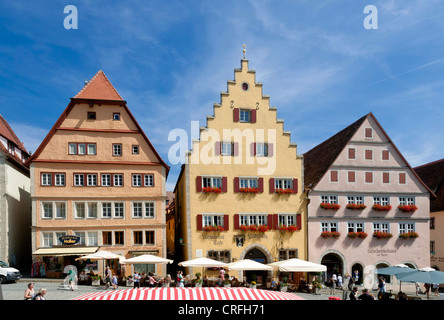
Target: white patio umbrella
(146,259)
(247,265)
(202,262)
(101,255)
(297,265)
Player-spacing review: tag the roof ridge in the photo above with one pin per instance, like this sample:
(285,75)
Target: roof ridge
(12,136)
(96,92)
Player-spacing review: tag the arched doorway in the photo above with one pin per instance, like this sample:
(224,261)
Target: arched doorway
(357,273)
(256,275)
(334,265)
(387,277)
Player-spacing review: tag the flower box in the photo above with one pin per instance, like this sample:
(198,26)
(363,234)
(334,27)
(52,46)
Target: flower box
(408,235)
(329,206)
(408,208)
(330,234)
(211,190)
(249,190)
(213,229)
(353,206)
(382,235)
(263,228)
(291,228)
(243,227)
(354,235)
(379,207)
(284,191)
(254,228)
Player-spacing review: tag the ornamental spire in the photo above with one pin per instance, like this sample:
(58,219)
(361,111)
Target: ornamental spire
(244,51)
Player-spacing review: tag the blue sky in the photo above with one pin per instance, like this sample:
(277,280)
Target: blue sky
(171,59)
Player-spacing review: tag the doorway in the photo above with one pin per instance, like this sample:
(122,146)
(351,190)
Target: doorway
(256,275)
(334,265)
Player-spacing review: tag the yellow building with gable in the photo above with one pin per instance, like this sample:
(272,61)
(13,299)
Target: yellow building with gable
(240,194)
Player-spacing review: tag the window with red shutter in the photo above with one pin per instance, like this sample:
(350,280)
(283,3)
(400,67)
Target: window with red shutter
(333,176)
(299,221)
(199,183)
(385,177)
(260,183)
(236,114)
(236,184)
(270,149)
(224,184)
(369,177)
(253,115)
(295,185)
(272,186)
(368,154)
(226,222)
(368,133)
(199,222)
(385,155)
(352,153)
(402,178)
(253,149)
(351,176)
(236,222)
(217,148)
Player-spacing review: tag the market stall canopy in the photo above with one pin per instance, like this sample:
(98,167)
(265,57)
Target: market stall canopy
(424,275)
(247,265)
(65,251)
(101,255)
(189,294)
(202,262)
(395,270)
(297,265)
(146,259)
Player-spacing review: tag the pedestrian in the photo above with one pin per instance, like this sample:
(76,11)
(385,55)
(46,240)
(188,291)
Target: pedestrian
(40,294)
(366,296)
(333,283)
(180,280)
(339,281)
(401,296)
(108,277)
(151,280)
(29,292)
(356,277)
(354,294)
(381,285)
(436,289)
(427,289)
(114,281)
(72,280)
(418,290)
(136,280)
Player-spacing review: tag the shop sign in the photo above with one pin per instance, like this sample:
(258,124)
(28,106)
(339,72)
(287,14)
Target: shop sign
(69,240)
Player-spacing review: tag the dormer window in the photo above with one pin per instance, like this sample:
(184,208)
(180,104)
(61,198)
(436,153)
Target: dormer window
(116,116)
(91,116)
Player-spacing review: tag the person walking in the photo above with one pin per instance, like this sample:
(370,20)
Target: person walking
(40,295)
(436,289)
(136,280)
(114,281)
(339,281)
(72,280)
(108,276)
(381,287)
(29,292)
(151,280)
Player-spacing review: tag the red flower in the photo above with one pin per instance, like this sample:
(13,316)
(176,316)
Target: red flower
(329,206)
(330,234)
(211,190)
(382,235)
(284,191)
(249,190)
(408,208)
(356,206)
(379,207)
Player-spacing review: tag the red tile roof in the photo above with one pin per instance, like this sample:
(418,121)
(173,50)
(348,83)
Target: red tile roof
(99,88)
(433,175)
(7,132)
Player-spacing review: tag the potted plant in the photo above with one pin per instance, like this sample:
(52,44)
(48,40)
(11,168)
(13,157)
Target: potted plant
(213,229)
(408,208)
(380,207)
(243,227)
(249,190)
(263,228)
(382,235)
(95,280)
(329,206)
(330,234)
(284,191)
(408,235)
(353,206)
(198,281)
(284,284)
(211,190)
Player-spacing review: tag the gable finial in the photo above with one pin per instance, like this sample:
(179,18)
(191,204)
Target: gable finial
(244,51)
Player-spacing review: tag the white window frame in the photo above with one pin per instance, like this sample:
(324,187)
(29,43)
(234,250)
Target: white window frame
(149,180)
(92,151)
(330,226)
(118,180)
(212,219)
(226,148)
(382,200)
(406,227)
(248,182)
(147,209)
(261,149)
(355,226)
(249,219)
(283,183)
(381,226)
(47,239)
(329,198)
(106,210)
(117,149)
(355,199)
(136,180)
(245,115)
(76,211)
(91,179)
(212,181)
(92,238)
(46,179)
(406,200)
(106,180)
(59,179)
(287,219)
(79,179)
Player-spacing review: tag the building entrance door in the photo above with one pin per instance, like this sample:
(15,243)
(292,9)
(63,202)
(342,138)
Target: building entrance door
(334,265)
(256,275)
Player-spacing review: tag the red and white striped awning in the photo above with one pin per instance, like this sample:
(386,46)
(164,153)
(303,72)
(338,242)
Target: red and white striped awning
(189,294)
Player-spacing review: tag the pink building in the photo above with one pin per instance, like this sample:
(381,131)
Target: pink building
(367,207)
